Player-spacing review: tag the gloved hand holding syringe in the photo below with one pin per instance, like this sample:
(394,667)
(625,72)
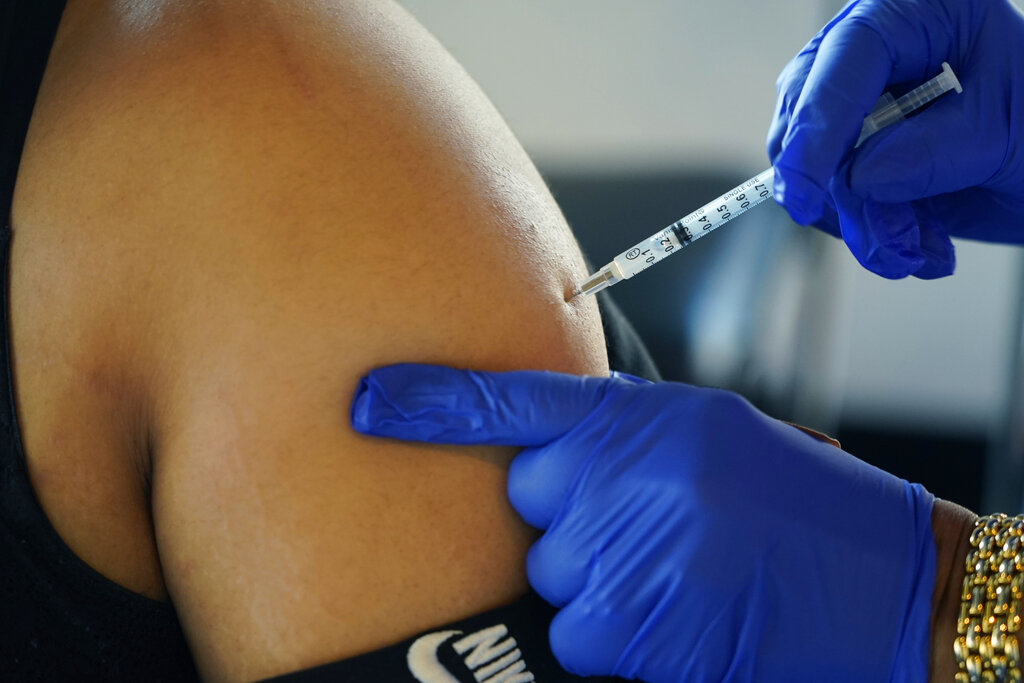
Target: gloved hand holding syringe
(749,194)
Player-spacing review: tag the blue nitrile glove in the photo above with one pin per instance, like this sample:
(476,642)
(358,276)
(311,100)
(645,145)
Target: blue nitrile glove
(954,168)
(689,536)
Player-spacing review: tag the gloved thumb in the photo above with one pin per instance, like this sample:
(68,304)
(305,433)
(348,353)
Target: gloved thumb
(438,404)
(940,150)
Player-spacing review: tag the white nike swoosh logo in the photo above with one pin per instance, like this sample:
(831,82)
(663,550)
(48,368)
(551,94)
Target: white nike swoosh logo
(423,661)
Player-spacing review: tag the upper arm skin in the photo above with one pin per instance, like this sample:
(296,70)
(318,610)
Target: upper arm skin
(314,193)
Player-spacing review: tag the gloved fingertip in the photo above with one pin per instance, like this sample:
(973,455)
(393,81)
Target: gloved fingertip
(387,405)
(373,413)
(939,253)
(934,269)
(892,263)
(557,568)
(828,222)
(898,230)
(884,238)
(360,415)
(576,654)
(798,195)
(533,499)
(590,637)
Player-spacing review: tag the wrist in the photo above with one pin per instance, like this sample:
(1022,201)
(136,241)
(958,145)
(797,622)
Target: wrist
(951,528)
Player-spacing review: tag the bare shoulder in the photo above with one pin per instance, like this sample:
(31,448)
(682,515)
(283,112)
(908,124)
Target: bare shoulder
(288,196)
(333,140)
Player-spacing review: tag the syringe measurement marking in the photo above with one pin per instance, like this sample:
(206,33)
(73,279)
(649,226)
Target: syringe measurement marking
(710,216)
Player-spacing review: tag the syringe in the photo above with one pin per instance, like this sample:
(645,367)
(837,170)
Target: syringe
(746,196)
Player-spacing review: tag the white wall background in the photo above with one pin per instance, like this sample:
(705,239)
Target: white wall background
(629,82)
(640,84)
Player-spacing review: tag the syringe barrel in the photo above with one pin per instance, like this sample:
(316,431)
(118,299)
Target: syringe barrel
(704,220)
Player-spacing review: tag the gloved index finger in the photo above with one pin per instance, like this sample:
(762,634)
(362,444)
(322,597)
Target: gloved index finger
(438,404)
(849,74)
(791,82)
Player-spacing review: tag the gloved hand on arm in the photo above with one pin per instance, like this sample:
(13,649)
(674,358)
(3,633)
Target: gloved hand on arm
(688,537)
(955,168)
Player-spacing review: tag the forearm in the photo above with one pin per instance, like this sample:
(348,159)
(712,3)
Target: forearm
(951,525)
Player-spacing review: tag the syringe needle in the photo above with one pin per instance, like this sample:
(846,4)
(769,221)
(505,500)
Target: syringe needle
(602,279)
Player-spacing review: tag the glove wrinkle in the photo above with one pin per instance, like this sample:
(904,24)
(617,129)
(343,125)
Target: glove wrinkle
(698,668)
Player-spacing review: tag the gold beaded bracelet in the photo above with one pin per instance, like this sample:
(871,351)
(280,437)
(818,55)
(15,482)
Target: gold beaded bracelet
(987,650)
